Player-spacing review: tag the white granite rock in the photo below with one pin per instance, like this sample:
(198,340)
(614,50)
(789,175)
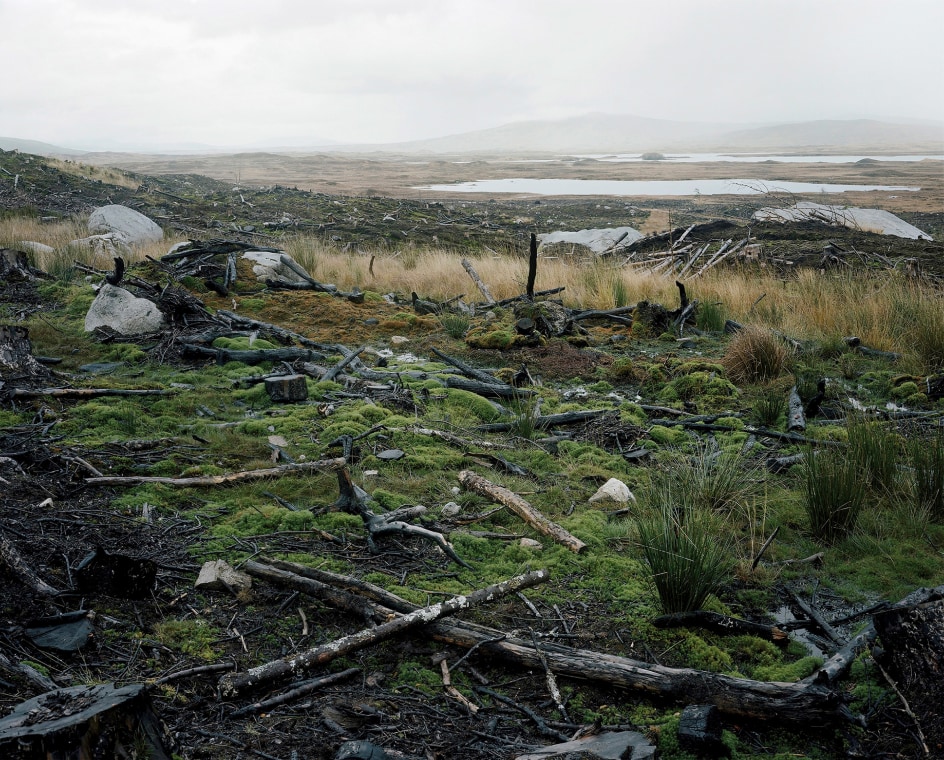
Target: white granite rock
(132,226)
(268,265)
(613,490)
(123,312)
(217,575)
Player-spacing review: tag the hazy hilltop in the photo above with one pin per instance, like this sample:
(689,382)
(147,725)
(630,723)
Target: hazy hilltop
(36,147)
(612,133)
(605,133)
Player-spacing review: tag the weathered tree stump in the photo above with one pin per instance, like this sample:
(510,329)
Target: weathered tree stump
(287,388)
(16,355)
(912,637)
(84,723)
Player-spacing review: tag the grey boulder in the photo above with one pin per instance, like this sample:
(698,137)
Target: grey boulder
(123,312)
(133,227)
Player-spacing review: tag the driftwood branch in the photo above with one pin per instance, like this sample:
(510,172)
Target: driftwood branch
(483,288)
(216,480)
(270,672)
(354,501)
(522,508)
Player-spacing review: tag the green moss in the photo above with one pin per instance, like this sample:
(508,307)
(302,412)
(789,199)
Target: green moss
(252,305)
(243,343)
(790,672)
(700,365)
(674,436)
(483,337)
(125,352)
(470,403)
(417,675)
(193,637)
(711,391)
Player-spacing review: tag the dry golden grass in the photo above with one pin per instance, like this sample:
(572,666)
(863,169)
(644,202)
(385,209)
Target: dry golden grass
(885,310)
(105,174)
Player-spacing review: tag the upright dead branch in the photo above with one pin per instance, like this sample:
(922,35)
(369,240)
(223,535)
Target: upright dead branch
(532,265)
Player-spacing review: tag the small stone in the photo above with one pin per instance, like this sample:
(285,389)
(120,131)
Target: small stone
(613,490)
(450,509)
(391,455)
(217,575)
(371,321)
(530,543)
(398,340)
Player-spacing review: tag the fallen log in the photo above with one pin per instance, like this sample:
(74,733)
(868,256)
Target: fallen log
(469,371)
(261,675)
(300,690)
(85,392)
(543,422)
(490,390)
(718,623)
(522,508)
(257,356)
(284,335)
(800,704)
(10,557)
(217,480)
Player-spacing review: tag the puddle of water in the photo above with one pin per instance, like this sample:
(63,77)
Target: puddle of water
(785,615)
(649,187)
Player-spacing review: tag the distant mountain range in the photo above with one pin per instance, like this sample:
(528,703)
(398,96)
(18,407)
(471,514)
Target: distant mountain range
(612,133)
(608,133)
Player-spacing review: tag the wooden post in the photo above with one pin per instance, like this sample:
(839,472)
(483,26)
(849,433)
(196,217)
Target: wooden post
(532,265)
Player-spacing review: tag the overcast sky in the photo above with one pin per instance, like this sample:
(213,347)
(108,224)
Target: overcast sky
(135,73)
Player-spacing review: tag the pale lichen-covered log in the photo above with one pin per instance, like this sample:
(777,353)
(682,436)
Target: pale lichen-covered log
(807,703)
(232,684)
(522,508)
(218,480)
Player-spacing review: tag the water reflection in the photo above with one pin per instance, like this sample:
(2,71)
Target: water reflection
(650,187)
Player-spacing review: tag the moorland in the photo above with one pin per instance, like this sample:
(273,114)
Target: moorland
(693,417)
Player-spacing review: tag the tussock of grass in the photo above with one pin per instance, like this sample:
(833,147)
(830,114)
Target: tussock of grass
(755,355)
(835,492)
(687,560)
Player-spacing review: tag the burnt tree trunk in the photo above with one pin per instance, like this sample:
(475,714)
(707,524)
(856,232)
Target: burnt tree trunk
(84,723)
(912,637)
(532,265)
